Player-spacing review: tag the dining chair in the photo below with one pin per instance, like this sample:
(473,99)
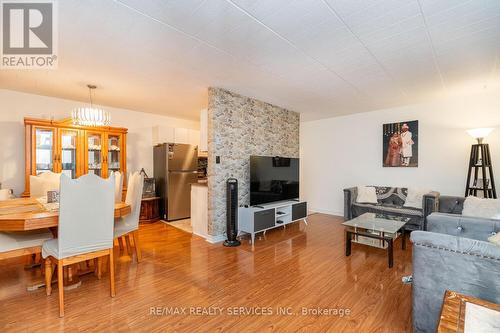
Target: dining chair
(5,194)
(16,244)
(85,229)
(129,225)
(44,182)
(118,186)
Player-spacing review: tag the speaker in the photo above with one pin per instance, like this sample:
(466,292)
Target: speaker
(231,212)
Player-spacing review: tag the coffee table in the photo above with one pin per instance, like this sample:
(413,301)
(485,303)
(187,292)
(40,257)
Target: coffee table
(377,230)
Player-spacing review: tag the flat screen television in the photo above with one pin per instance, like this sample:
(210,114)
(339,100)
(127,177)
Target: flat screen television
(273,179)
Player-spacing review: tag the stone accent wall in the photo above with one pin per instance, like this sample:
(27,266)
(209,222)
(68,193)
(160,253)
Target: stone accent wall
(238,127)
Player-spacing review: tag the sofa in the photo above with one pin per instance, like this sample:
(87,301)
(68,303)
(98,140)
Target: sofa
(391,201)
(453,254)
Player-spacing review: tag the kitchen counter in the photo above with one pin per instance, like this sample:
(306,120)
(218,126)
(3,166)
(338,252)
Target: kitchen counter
(199,209)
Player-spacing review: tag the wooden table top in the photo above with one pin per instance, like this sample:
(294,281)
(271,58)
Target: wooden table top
(452,317)
(29,214)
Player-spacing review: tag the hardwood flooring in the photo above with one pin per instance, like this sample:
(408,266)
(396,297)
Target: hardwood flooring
(298,267)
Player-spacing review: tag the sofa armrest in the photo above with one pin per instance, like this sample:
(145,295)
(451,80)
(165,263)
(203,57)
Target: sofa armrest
(444,262)
(462,226)
(430,205)
(350,195)
(451,204)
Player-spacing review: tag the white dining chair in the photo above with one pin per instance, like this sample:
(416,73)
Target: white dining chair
(118,186)
(129,225)
(16,244)
(5,194)
(44,182)
(85,229)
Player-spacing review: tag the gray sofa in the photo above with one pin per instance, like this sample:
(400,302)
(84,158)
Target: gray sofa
(391,201)
(453,254)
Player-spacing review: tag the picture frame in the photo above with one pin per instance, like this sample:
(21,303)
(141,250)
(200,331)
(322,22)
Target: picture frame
(400,144)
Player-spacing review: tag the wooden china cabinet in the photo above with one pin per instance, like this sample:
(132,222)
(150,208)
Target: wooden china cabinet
(60,146)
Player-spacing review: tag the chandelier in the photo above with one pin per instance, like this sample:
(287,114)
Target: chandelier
(90,116)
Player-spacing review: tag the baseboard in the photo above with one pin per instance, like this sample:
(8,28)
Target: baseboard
(211,239)
(199,235)
(325,211)
(215,239)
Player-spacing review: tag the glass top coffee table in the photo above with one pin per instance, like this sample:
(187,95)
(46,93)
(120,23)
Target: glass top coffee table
(377,230)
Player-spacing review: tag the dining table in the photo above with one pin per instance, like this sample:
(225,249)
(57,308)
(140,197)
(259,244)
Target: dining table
(28,214)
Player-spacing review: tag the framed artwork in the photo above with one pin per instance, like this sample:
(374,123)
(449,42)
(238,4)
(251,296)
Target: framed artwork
(400,144)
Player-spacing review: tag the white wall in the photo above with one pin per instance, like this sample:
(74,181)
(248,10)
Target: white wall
(347,151)
(14,106)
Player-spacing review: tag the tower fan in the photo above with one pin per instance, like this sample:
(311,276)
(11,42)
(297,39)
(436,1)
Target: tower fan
(231,212)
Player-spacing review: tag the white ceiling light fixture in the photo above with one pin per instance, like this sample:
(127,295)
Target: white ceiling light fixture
(91,116)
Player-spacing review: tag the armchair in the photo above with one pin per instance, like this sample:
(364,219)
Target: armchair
(454,254)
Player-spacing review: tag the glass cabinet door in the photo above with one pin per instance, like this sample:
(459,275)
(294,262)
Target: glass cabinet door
(94,151)
(114,153)
(44,146)
(68,153)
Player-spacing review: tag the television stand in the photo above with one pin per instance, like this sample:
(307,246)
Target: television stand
(255,219)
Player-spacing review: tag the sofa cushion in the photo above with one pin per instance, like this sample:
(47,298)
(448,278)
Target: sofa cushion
(391,209)
(415,197)
(366,194)
(478,207)
(395,196)
(495,239)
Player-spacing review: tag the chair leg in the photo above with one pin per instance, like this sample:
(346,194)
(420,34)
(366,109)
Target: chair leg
(60,283)
(111,273)
(135,236)
(48,276)
(99,268)
(127,241)
(120,243)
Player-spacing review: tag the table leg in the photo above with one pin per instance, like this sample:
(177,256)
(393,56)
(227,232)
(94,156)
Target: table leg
(390,252)
(347,243)
(73,277)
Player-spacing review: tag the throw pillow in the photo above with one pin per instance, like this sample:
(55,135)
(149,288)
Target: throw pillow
(495,239)
(415,197)
(478,207)
(366,194)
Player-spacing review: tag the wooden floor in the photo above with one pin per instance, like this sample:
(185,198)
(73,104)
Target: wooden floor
(300,267)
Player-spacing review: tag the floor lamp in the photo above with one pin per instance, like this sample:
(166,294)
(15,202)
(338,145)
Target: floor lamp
(480,174)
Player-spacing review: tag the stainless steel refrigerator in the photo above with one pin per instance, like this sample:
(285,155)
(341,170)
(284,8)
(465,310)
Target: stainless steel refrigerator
(175,168)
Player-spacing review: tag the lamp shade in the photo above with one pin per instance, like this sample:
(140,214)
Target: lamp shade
(479,133)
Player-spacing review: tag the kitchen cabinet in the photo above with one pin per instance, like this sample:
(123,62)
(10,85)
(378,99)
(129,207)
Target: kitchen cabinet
(194,137)
(162,134)
(181,135)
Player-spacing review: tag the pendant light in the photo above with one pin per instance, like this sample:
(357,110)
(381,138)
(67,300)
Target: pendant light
(91,116)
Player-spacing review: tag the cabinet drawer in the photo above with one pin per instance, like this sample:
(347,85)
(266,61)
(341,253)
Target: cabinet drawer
(263,219)
(299,211)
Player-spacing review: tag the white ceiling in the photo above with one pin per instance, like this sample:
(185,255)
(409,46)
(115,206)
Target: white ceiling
(320,57)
